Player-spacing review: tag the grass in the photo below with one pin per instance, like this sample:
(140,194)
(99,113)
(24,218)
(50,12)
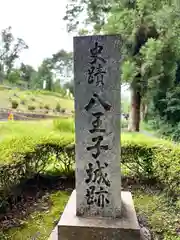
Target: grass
(40,223)
(144,126)
(143,138)
(64,125)
(28,128)
(38,99)
(25,128)
(161,214)
(154,207)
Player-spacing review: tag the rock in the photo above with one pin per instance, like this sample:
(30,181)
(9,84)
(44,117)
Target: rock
(142,221)
(145,234)
(69,189)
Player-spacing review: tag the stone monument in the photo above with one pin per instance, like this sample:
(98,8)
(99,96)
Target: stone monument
(98,209)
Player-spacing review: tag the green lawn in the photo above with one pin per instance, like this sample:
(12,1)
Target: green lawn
(24,127)
(39,99)
(28,128)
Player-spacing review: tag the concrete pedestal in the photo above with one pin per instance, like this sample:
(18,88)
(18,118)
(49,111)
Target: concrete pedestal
(71,227)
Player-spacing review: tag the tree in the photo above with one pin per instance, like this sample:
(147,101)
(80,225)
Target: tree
(151,47)
(45,74)
(62,62)
(53,70)
(70,86)
(14,76)
(96,13)
(10,50)
(27,74)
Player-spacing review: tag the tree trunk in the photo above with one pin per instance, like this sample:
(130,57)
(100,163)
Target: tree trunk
(143,111)
(134,120)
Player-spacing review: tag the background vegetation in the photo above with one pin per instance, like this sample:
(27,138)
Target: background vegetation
(35,100)
(151,51)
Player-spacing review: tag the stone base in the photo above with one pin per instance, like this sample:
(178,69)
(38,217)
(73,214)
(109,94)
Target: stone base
(54,234)
(71,227)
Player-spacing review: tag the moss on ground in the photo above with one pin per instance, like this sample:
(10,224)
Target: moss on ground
(154,210)
(159,213)
(40,223)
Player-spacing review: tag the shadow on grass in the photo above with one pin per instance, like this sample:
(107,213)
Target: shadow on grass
(33,196)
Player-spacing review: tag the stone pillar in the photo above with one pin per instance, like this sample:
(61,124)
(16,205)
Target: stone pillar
(97,121)
(97,209)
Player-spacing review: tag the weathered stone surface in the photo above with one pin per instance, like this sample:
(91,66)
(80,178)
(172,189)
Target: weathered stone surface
(73,227)
(97,172)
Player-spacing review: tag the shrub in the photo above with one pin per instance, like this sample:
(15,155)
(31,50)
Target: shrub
(153,158)
(46,106)
(138,154)
(33,99)
(64,125)
(167,167)
(31,107)
(14,104)
(23,100)
(58,107)
(63,110)
(41,106)
(22,158)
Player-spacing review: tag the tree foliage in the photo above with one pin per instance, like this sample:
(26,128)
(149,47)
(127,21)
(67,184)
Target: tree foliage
(62,62)
(45,74)
(52,70)
(10,49)
(151,45)
(28,73)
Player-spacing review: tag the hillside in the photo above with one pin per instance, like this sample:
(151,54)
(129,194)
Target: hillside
(38,101)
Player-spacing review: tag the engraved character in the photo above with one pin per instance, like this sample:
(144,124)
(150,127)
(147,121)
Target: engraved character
(96,74)
(102,199)
(98,175)
(90,195)
(97,123)
(105,104)
(91,74)
(95,52)
(99,76)
(99,197)
(97,146)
